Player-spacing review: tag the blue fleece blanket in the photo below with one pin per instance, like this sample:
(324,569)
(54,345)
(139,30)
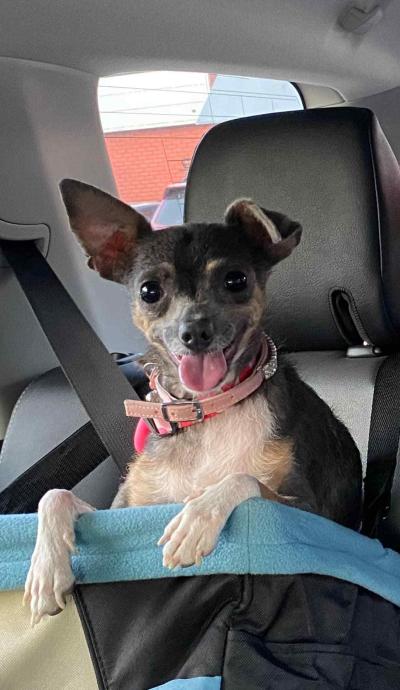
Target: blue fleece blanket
(261,537)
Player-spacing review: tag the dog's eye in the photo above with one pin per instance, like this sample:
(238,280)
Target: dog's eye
(151,292)
(235,281)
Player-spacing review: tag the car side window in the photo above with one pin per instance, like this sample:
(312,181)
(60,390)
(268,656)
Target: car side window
(153,122)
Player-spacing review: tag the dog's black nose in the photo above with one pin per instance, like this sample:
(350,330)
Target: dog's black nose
(196,335)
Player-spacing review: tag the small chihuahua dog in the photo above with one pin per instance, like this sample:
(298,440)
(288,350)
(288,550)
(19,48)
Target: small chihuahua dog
(242,425)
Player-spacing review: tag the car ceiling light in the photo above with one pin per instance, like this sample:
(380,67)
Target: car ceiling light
(359,21)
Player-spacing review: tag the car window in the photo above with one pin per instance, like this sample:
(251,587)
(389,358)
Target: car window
(153,122)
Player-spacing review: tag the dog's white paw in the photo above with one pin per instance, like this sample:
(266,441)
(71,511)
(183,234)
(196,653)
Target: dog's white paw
(194,532)
(50,576)
(49,580)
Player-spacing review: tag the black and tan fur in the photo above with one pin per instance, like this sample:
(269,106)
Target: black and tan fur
(281,443)
(284,434)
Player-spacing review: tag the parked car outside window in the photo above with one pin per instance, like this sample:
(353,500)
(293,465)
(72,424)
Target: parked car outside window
(170,210)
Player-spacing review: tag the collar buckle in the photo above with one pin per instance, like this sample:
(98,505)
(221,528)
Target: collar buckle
(199,410)
(154,428)
(196,404)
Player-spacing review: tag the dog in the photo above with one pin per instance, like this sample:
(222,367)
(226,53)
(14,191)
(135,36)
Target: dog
(199,293)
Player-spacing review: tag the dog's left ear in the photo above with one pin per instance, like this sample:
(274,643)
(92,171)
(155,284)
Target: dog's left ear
(108,230)
(272,232)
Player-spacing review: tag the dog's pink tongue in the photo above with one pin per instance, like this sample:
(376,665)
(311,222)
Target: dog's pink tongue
(202,372)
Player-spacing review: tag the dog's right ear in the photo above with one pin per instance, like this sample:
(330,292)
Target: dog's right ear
(107,229)
(274,234)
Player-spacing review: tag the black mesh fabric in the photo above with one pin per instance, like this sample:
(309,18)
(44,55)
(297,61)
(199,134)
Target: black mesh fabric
(258,632)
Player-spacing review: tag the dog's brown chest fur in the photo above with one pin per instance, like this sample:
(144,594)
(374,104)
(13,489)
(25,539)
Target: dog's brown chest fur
(240,440)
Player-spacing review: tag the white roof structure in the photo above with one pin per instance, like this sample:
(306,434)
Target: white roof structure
(162,99)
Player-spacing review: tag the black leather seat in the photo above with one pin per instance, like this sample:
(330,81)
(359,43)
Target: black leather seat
(335,303)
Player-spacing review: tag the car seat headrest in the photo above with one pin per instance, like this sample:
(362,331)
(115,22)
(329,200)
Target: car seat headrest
(333,171)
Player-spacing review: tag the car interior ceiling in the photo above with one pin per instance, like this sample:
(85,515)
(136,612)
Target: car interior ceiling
(50,129)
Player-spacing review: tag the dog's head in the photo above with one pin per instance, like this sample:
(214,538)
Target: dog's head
(197,290)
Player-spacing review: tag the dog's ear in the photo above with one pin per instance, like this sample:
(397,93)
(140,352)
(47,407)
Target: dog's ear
(107,229)
(275,234)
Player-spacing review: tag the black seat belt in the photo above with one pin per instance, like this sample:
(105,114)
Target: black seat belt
(382,445)
(73,459)
(96,379)
(62,467)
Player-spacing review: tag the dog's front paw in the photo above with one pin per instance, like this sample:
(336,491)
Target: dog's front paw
(192,534)
(49,580)
(50,576)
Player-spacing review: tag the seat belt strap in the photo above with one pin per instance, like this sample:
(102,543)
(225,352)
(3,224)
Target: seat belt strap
(73,459)
(62,467)
(382,445)
(96,379)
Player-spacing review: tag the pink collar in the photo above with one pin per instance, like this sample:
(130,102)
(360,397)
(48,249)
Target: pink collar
(169,416)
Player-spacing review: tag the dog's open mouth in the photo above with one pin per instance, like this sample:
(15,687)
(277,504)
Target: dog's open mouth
(204,371)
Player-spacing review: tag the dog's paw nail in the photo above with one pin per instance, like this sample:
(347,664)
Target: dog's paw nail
(69,541)
(55,613)
(61,600)
(170,564)
(35,619)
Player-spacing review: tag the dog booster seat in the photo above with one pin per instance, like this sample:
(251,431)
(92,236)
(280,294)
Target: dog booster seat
(245,619)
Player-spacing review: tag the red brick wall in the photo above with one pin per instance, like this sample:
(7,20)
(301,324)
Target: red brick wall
(145,161)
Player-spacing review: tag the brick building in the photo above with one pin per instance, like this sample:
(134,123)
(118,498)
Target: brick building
(145,161)
(153,121)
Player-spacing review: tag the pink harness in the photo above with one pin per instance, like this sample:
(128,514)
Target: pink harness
(172,414)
